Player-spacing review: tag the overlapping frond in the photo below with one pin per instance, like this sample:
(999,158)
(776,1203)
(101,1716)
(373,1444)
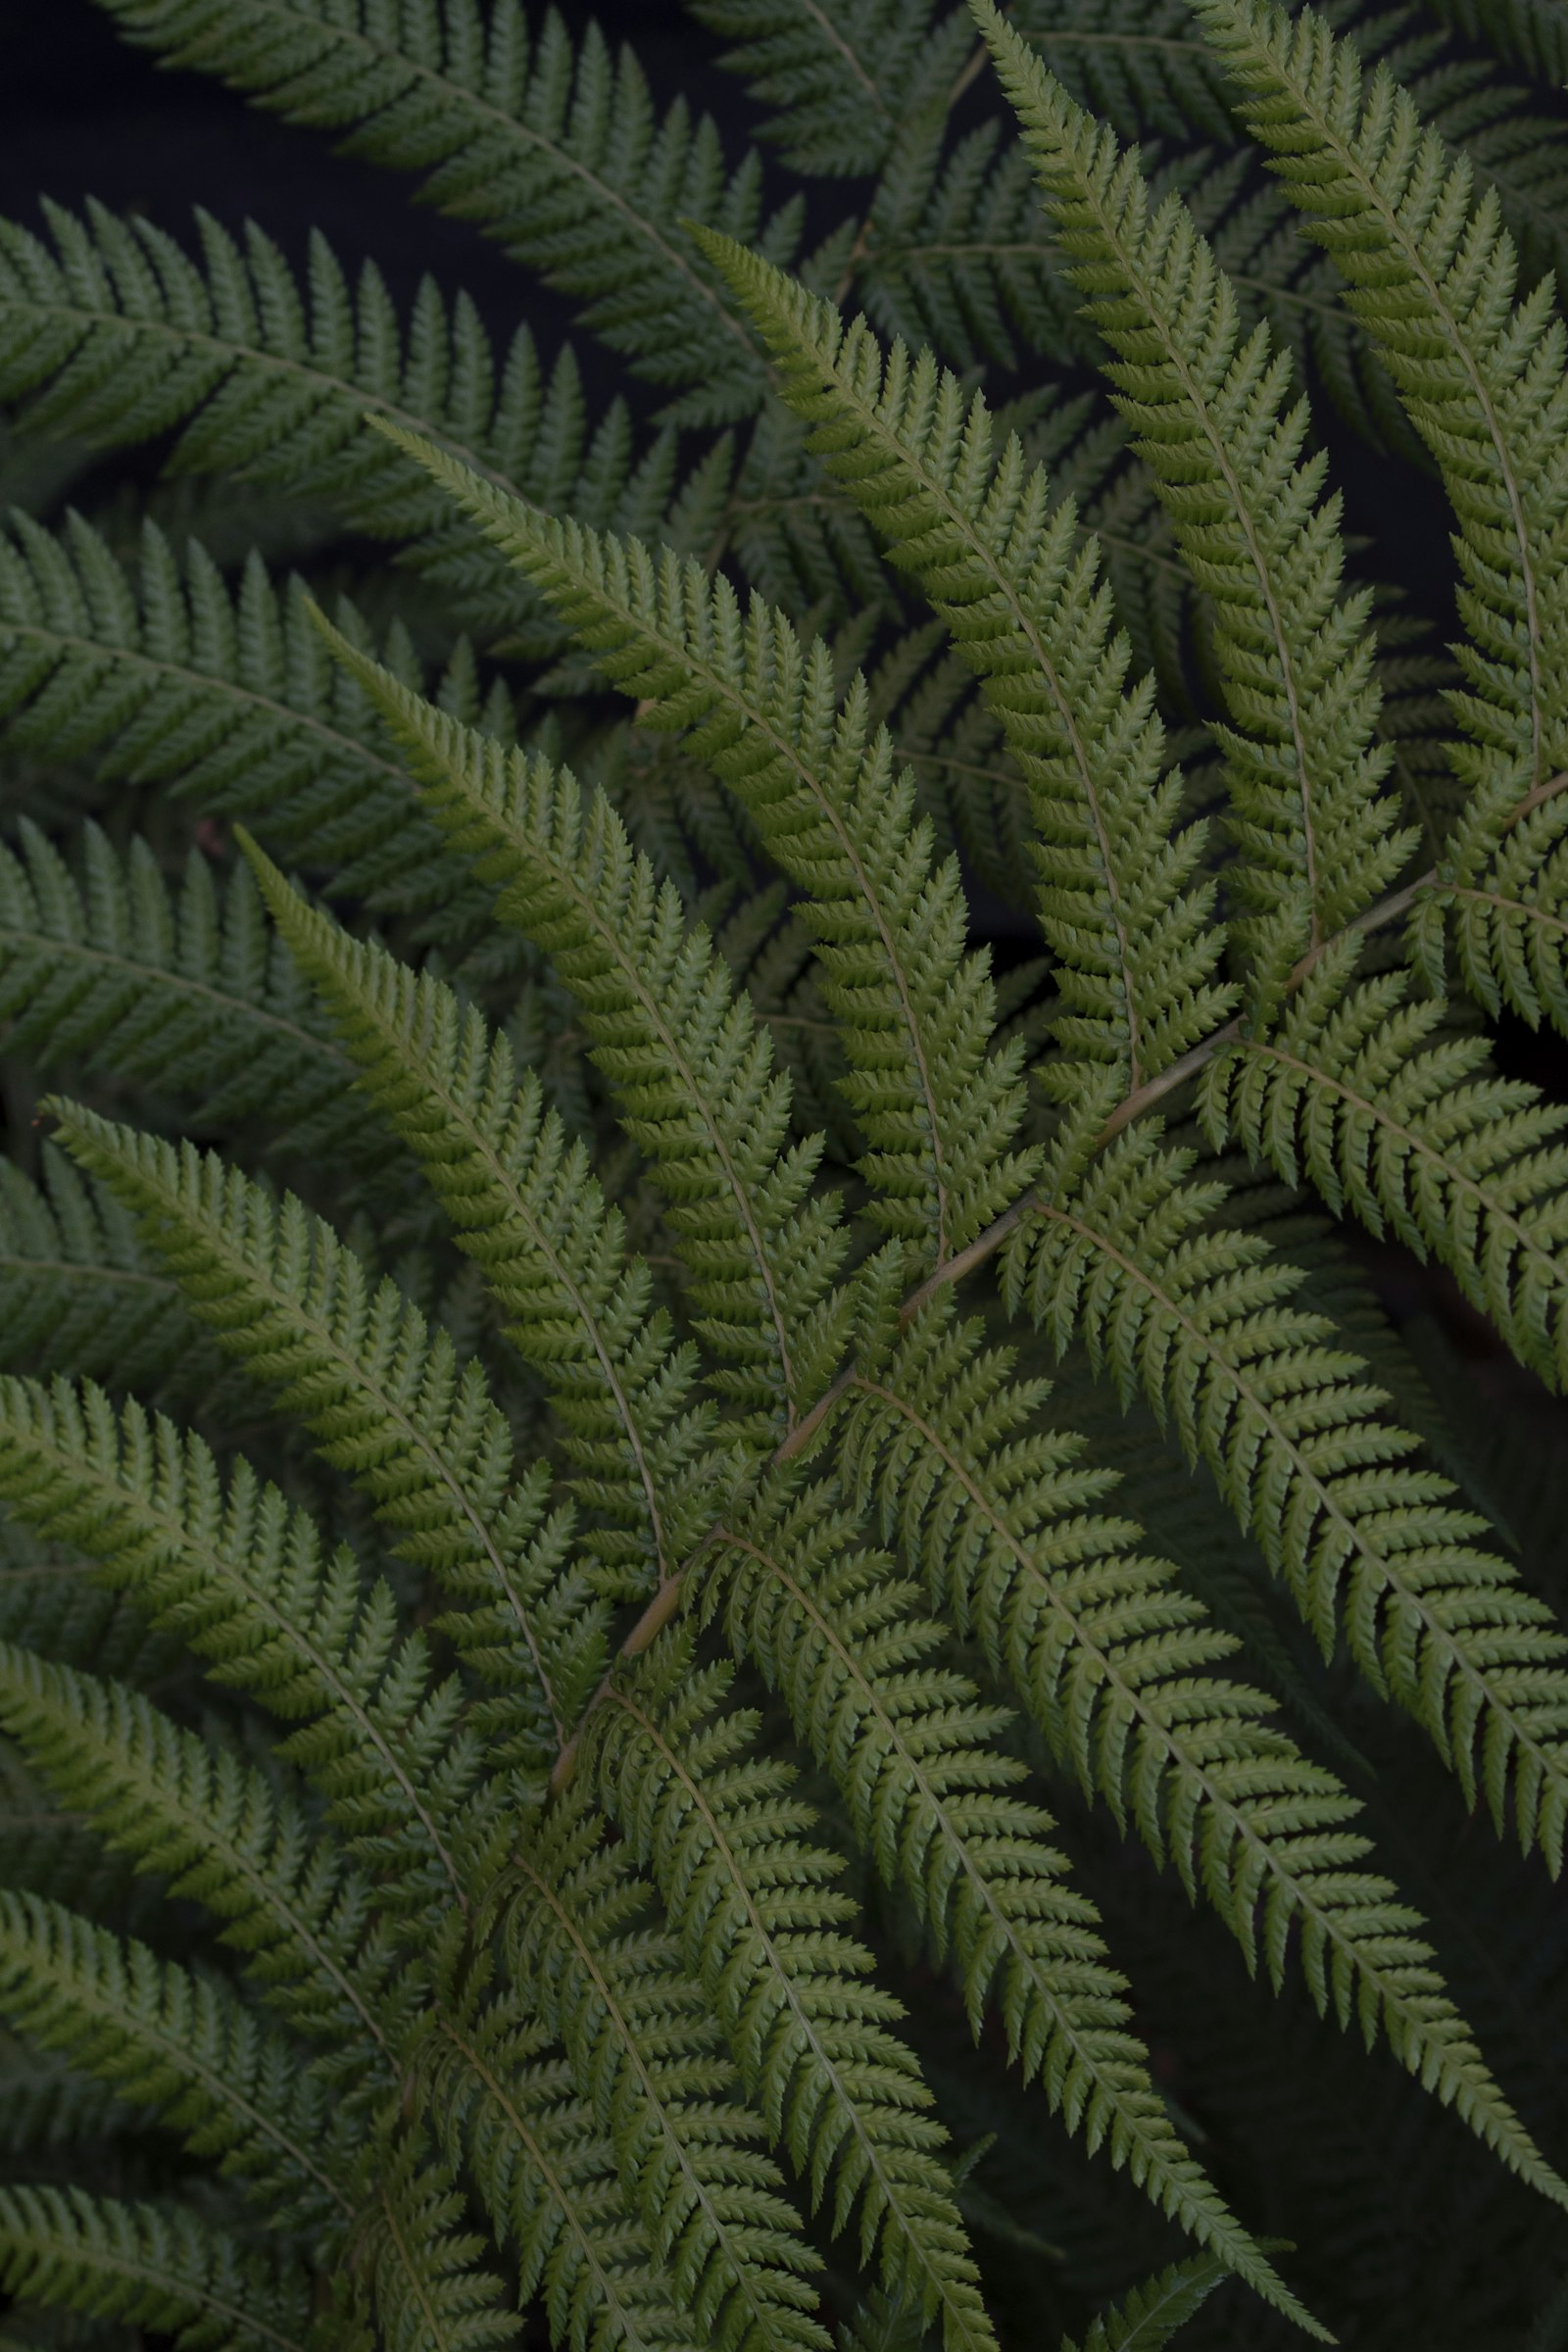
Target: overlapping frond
(186,996)
(643,2042)
(1121,903)
(1123,1671)
(1315,838)
(549,143)
(416,2280)
(160,671)
(390,1403)
(113,333)
(527,1207)
(180,2044)
(935,1801)
(1431,272)
(916,1010)
(151,2266)
(843,77)
(1151,2313)
(223,1834)
(693,1069)
(1391,1111)
(240,1573)
(79,1291)
(1174,1299)
(767,1934)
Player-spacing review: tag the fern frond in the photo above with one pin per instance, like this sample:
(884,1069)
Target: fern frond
(766,1933)
(1316,840)
(116,335)
(180,2044)
(913,1748)
(684,1053)
(161,672)
(526,1206)
(415,2273)
(1393,1116)
(1529,31)
(546,2172)
(1151,2313)
(1204,1318)
(845,77)
(551,145)
(1509,927)
(223,1834)
(153,2267)
(240,1575)
(915,1010)
(1432,275)
(77,1290)
(389,1403)
(644,2047)
(185,997)
(1121,1669)
(1120,903)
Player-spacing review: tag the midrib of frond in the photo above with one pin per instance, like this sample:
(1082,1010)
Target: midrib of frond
(168,981)
(654,2104)
(1157,320)
(1006,587)
(1439,314)
(179,1542)
(1002,1928)
(411,2262)
(104,2262)
(101,1277)
(1131,1702)
(606,2278)
(249,355)
(959,2326)
(180,2056)
(483,1148)
(851,56)
(1546,1261)
(1552,1768)
(1526,909)
(485,115)
(697,1097)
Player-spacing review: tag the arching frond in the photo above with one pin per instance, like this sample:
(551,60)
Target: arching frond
(526,1206)
(914,1009)
(643,2042)
(153,2267)
(767,1936)
(1315,838)
(549,144)
(1120,902)
(694,1070)
(1152,2313)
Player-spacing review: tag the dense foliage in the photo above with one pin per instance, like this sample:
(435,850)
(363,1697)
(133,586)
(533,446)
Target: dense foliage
(725,1622)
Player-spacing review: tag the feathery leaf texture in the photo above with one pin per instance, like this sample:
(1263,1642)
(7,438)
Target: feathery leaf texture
(682,1048)
(916,1010)
(151,2266)
(1151,2313)
(1314,837)
(553,1250)
(1432,274)
(551,145)
(1119,904)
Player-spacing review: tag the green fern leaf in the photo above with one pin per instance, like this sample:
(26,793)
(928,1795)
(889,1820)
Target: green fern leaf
(915,1010)
(180,2043)
(224,1837)
(766,1933)
(1315,839)
(552,147)
(415,2282)
(241,1575)
(683,1052)
(1119,904)
(526,1206)
(389,1403)
(643,2045)
(1432,278)
(1121,1668)
(151,2266)
(1151,2313)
